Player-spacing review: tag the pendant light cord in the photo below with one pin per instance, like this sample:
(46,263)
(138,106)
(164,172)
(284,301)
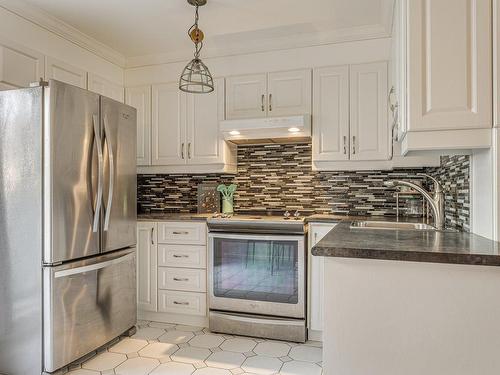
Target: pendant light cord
(197,45)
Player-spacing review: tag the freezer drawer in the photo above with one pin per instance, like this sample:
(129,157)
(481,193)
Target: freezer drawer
(86,304)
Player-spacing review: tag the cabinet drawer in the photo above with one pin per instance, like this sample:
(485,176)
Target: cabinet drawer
(189,303)
(182,279)
(182,256)
(182,233)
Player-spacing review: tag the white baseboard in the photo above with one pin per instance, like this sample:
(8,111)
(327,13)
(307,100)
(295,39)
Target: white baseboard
(314,335)
(192,320)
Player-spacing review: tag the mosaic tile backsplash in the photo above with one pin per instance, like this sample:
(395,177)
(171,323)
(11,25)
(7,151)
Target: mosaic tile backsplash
(279,178)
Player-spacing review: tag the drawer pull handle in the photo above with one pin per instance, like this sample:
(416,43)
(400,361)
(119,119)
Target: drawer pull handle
(180,279)
(181,256)
(176,232)
(181,303)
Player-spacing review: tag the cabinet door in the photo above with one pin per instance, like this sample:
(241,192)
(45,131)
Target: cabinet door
(289,93)
(449,64)
(331,114)
(147,267)
(316,271)
(106,88)
(246,96)
(19,66)
(368,112)
(61,71)
(205,144)
(169,125)
(140,99)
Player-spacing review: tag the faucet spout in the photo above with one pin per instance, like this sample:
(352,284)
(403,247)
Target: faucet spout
(436,201)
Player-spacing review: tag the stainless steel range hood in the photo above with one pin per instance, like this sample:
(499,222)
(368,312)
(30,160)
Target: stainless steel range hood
(292,129)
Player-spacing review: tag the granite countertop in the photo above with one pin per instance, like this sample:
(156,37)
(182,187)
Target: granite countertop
(172,216)
(328,218)
(408,245)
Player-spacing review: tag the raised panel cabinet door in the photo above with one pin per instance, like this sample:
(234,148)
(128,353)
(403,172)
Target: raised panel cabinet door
(331,114)
(64,72)
(140,98)
(204,141)
(246,96)
(106,88)
(316,283)
(449,64)
(147,266)
(289,93)
(369,126)
(19,66)
(168,125)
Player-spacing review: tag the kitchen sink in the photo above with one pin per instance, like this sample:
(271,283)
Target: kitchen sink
(391,225)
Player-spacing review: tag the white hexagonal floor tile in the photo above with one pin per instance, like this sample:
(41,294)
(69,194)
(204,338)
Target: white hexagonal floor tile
(191,355)
(262,365)
(83,372)
(128,345)
(272,349)
(104,361)
(226,360)
(238,345)
(176,337)
(137,366)
(174,368)
(148,333)
(212,371)
(181,327)
(306,353)
(206,341)
(300,368)
(162,325)
(158,350)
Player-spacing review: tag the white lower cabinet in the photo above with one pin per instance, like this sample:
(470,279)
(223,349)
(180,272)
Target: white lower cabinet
(179,272)
(315,281)
(147,266)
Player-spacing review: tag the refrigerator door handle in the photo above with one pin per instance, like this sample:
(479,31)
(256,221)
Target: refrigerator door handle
(100,176)
(111,174)
(92,267)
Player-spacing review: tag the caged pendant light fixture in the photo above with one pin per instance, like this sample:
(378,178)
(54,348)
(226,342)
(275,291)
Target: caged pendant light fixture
(196,77)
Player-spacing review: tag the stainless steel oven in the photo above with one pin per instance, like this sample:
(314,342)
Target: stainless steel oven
(256,278)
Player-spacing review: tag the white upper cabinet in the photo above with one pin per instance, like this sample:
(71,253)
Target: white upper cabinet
(61,71)
(368,112)
(496,60)
(449,64)
(331,114)
(350,121)
(276,94)
(289,93)
(168,125)
(185,131)
(204,143)
(246,96)
(140,99)
(19,66)
(104,87)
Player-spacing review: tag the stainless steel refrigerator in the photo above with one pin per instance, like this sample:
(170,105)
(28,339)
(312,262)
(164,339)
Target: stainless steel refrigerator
(67,225)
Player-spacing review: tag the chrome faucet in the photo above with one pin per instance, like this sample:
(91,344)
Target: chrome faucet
(435,199)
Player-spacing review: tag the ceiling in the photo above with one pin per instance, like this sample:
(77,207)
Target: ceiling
(152,27)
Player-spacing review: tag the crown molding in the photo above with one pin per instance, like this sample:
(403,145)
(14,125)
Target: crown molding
(272,44)
(64,30)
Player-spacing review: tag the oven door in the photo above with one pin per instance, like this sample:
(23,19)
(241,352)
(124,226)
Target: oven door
(257,274)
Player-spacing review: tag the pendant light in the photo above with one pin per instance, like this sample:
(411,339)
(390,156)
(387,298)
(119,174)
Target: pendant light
(196,77)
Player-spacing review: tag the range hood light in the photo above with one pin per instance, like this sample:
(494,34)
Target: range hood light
(293,130)
(234,132)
